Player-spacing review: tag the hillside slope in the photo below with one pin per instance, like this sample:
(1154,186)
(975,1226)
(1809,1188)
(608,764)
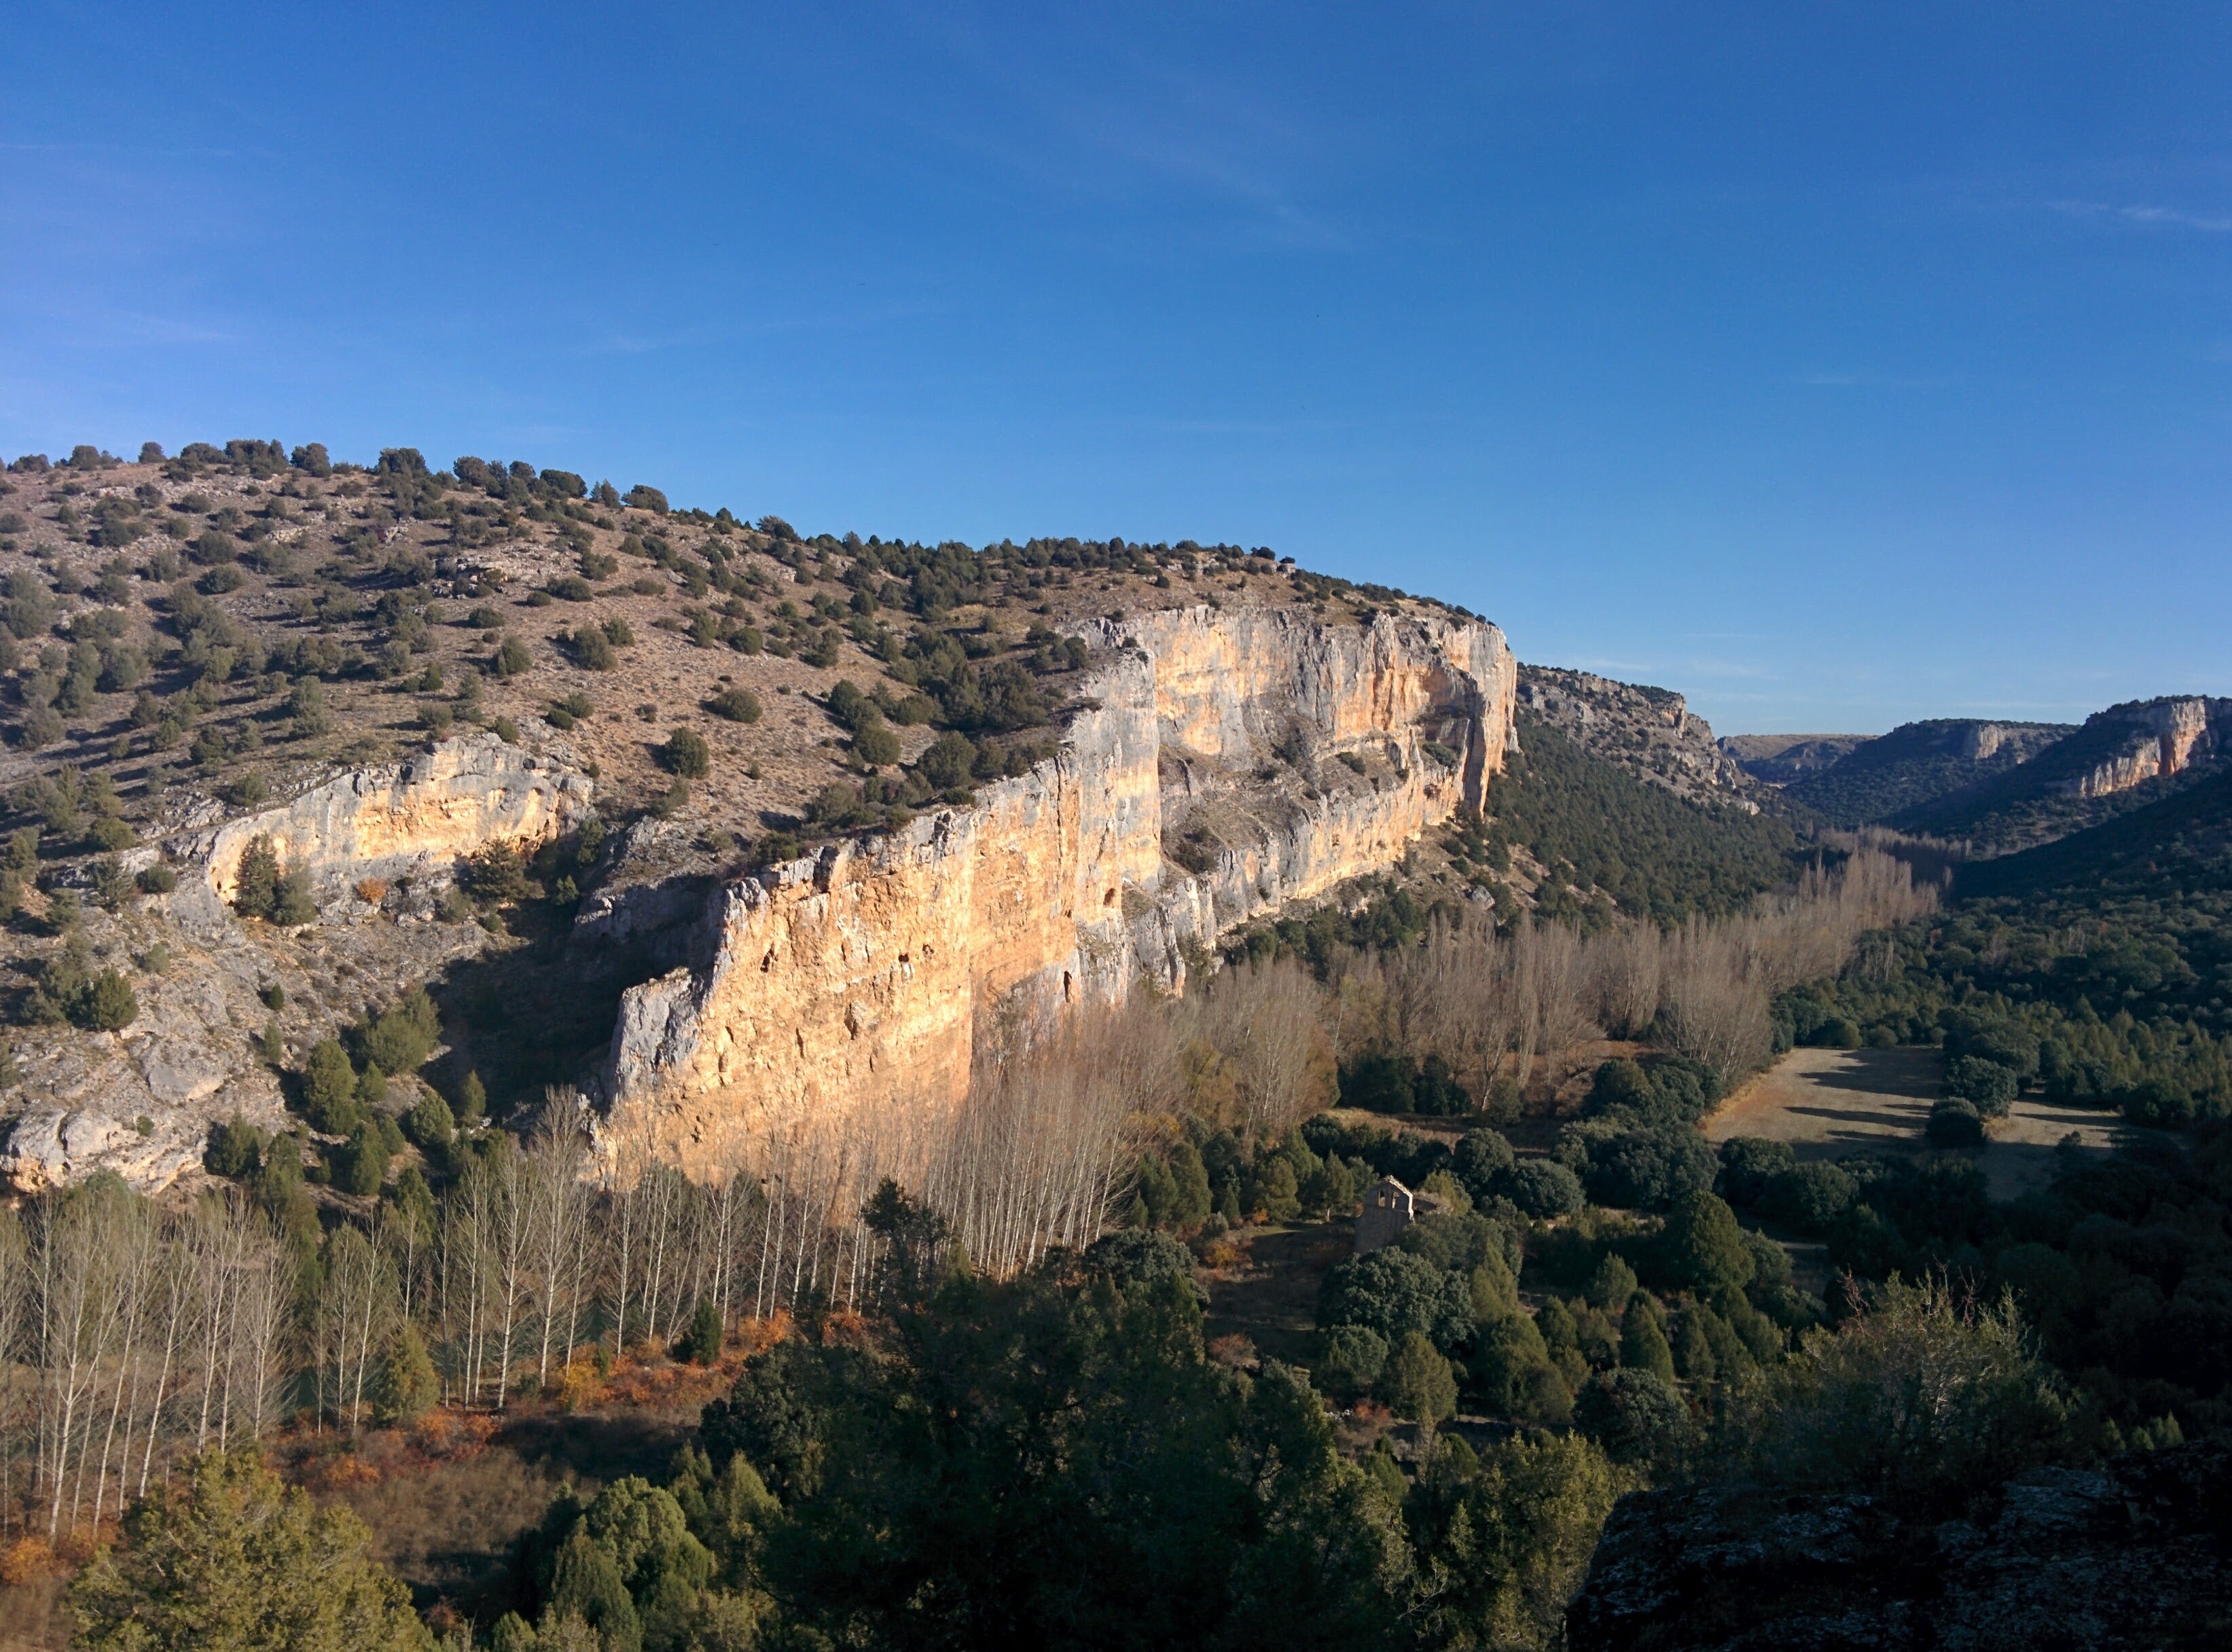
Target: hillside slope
(288,738)
(2121,759)
(1915,765)
(2178,845)
(1780,759)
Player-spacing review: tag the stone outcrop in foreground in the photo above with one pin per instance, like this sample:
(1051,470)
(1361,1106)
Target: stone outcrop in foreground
(2135,1555)
(1277,756)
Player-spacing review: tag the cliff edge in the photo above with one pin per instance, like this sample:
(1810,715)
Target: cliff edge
(1219,766)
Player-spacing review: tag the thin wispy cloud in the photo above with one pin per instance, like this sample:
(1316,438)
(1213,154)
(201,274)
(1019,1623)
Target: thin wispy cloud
(2163,217)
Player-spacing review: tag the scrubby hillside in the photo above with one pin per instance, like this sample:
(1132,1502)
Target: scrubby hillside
(498,730)
(1915,765)
(2121,759)
(1650,733)
(1780,759)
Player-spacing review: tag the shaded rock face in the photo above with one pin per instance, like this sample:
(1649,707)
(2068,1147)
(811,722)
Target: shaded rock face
(2135,1555)
(2160,738)
(857,978)
(415,819)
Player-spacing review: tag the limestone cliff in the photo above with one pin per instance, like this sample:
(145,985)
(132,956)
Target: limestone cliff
(1277,755)
(418,817)
(2154,738)
(140,1102)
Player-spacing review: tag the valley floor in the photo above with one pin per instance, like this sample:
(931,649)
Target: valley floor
(1829,1103)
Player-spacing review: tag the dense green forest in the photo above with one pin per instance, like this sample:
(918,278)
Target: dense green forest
(2104,960)
(1602,830)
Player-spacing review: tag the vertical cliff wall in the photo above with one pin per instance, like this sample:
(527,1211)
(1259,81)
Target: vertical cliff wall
(855,978)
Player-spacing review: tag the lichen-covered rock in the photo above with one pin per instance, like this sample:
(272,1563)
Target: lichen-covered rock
(2135,1555)
(855,978)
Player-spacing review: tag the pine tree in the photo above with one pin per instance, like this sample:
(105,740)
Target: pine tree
(1642,1343)
(231,1560)
(408,1387)
(256,884)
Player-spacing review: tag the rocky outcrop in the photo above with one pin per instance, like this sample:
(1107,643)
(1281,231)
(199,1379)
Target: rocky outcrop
(413,820)
(856,978)
(2152,739)
(1649,732)
(2137,1555)
(140,1101)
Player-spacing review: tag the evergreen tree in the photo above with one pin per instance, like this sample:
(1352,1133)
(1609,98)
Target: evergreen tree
(229,1559)
(256,883)
(1419,1382)
(330,1083)
(1642,1342)
(408,1387)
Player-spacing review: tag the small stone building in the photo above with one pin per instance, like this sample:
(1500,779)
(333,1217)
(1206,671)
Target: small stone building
(1389,1208)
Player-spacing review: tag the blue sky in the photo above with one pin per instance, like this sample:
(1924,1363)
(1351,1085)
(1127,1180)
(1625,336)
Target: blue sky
(1835,364)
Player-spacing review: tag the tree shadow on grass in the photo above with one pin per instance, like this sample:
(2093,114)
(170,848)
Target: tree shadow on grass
(1908,1070)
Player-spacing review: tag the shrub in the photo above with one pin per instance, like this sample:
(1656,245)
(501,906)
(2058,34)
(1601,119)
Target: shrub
(329,1089)
(1353,1358)
(360,1165)
(876,745)
(1810,1196)
(1922,1399)
(226,1555)
(400,1039)
(1749,1165)
(686,753)
(292,904)
(1635,1415)
(429,1125)
(235,1148)
(948,761)
(1701,1248)
(701,1344)
(1542,1190)
(1643,1169)
(408,1387)
(591,649)
(1954,1124)
(643,496)
(1394,1292)
(512,658)
(1985,1085)
(105,1004)
(1418,1382)
(737,705)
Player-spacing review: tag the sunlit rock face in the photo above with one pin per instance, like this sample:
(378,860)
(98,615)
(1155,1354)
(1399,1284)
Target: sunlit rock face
(857,978)
(2161,737)
(420,816)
